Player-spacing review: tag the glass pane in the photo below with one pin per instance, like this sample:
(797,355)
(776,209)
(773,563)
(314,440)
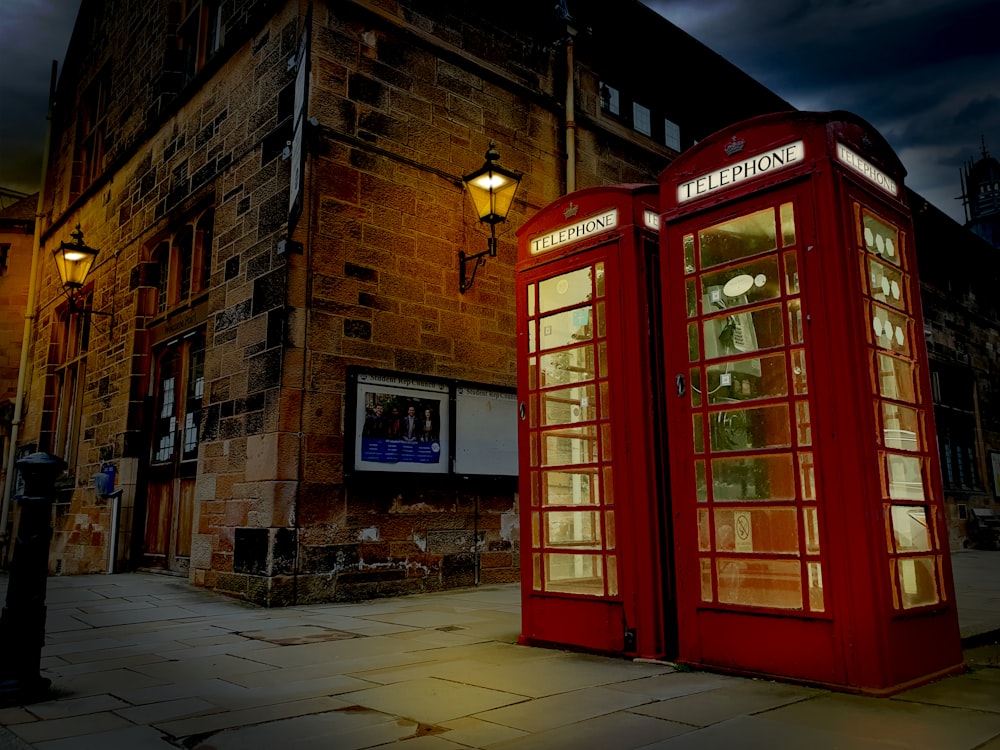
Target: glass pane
(532,373)
(810,519)
(751,428)
(609,529)
(692,298)
(602,360)
(735,287)
(803,424)
(693,352)
(795,328)
(748,479)
(901,427)
(917,581)
(535,534)
(533,410)
(568,405)
(612,562)
(791,274)
(599,281)
(704,532)
(695,384)
(760,583)
(757,530)
(815,587)
(807,476)
(601,321)
(701,483)
(531,337)
(607,486)
(606,448)
(533,483)
(570,488)
(886,284)
(881,238)
(744,332)
(747,379)
(688,253)
(787,225)
(531,300)
(568,327)
(731,240)
(904,478)
(536,578)
(706,579)
(895,378)
(569,446)
(891,330)
(567,290)
(605,401)
(911,528)
(574,574)
(573,528)
(799,380)
(568,366)
(697,433)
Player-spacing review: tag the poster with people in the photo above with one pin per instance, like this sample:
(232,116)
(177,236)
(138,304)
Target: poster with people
(401,425)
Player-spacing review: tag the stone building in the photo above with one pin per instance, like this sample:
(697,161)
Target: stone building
(17,232)
(236,283)
(962,331)
(275,191)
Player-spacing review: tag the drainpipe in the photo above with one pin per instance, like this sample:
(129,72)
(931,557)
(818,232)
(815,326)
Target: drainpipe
(29,318)
(570,114)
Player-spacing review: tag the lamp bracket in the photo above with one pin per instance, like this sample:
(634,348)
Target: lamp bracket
(465,278)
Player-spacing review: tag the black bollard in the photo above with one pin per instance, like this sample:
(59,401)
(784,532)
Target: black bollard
(22,622)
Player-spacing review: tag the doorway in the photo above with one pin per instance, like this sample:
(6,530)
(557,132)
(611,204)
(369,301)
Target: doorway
(178,388)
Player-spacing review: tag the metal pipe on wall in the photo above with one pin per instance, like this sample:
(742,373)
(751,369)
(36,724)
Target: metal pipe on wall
(570,114)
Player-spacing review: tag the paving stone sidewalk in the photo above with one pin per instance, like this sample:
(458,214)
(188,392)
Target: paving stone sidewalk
(148,661)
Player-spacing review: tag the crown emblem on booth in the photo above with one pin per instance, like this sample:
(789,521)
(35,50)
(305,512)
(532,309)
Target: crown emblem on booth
(571,210)
(735,146)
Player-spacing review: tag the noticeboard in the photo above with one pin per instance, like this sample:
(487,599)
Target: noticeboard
(402,423)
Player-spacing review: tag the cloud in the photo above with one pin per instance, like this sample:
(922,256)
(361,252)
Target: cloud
(922,72)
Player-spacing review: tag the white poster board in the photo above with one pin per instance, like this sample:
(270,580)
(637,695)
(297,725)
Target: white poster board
(485,432)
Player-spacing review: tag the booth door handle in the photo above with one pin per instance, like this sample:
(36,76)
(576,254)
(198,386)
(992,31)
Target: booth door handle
(681,385)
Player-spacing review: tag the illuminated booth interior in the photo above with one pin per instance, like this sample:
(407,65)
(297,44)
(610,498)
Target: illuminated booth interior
(799,532)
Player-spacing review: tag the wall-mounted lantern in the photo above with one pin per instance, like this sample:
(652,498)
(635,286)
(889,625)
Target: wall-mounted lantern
(492,189)
(74,259)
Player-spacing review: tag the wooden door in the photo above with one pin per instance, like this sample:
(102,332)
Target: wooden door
(179,384)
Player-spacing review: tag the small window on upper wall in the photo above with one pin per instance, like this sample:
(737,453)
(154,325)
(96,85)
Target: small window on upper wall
(672,135)
(201,34)
(610,99)
(184,262)
(640,119)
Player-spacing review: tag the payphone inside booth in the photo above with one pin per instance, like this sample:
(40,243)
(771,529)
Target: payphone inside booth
(810,538)
(595,571)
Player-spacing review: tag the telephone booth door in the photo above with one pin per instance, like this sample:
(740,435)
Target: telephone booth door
(594,549)
(810,542)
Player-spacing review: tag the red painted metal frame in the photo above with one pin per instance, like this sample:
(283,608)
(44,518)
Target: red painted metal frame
(638,621)
(861,642)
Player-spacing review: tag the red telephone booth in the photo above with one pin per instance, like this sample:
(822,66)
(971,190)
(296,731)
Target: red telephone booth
(595,572)
(808,520)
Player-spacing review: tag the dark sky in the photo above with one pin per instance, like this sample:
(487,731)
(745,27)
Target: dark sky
(34,33)
(925,73)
